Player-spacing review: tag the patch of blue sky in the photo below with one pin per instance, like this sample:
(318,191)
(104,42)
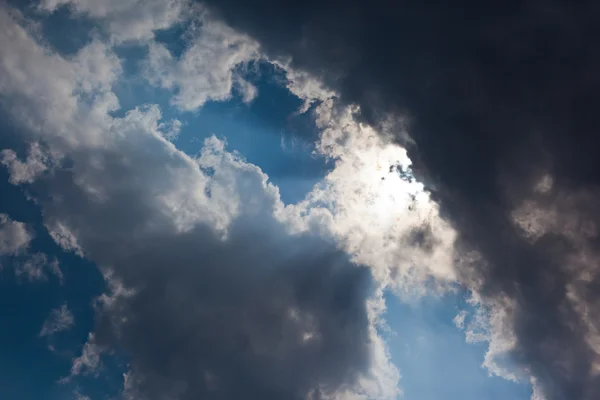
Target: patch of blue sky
(433,357)
(60,29)
(28,368)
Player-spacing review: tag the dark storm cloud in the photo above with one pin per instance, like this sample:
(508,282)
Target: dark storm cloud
(262,314)
(495,94)
(239,319)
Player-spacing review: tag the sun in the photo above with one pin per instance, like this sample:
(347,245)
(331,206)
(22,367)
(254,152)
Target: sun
(392,190)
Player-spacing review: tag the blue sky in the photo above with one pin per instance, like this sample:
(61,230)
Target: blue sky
(431,353)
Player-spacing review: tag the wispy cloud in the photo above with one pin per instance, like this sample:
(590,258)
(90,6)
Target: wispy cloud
(59,319)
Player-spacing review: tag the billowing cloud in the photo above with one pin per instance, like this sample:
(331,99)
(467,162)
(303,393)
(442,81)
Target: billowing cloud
(213,293)
(373,206)
(495,100)
(207,70)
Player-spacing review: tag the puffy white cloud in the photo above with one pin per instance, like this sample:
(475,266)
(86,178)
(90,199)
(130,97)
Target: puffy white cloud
(125,19)
(207,70)
(51,93)
(372,205)
(27,171)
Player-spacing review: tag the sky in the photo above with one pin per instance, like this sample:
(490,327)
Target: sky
(299,200)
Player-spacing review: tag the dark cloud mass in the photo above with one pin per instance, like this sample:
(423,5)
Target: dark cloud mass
(263,314)
(495,95)
(247,322)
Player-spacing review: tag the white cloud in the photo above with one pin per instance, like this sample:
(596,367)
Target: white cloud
(304,86)
(459,319)
(27,171)
(47,91)
(246,89)
(14,236)
(126,19)
(369,203)
(64,238)
(207,69)
(60,319)
(170,129)
(89,360)
(373,207)
(491,323)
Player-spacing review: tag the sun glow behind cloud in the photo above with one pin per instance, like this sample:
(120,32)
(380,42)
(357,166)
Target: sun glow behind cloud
(389,190)
(390,224)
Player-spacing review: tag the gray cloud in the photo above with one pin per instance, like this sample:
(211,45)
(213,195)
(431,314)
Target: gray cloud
(35,267)
(261,313)
(14,236)
(15,239)
(25,172)
(239,318)
(60,319)
(496,96)
(212,295)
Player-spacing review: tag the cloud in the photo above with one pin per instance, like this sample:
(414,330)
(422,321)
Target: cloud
(35,267)
(370,203)
(56,102)
(212,293)
(79,396)
(248,319)
(25,172)
(89,360)
(15,239)
(207,70)
(372,207)
(64,238)
(14,236)
(60,319)
(125,20)
(493,101)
